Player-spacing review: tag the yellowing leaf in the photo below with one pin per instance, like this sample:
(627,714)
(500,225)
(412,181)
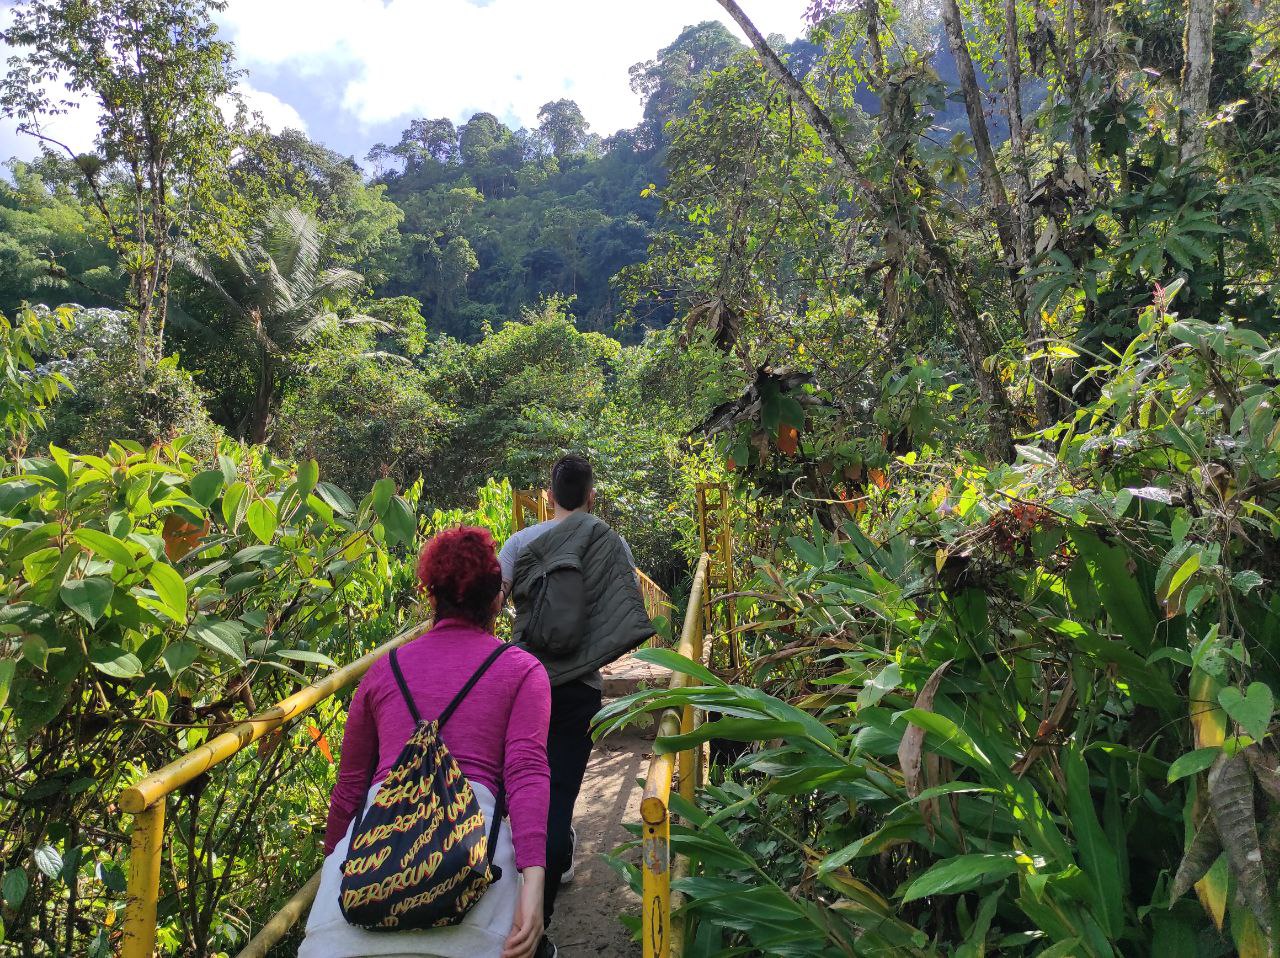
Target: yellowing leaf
(1208,720)
(1212,891)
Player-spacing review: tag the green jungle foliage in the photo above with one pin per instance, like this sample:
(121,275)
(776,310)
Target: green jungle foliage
(976,309)
(1015,710)
(151,596)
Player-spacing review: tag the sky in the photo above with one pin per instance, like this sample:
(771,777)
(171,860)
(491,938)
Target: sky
(351,73)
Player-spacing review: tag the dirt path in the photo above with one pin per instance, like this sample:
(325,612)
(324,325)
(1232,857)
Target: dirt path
(586,921)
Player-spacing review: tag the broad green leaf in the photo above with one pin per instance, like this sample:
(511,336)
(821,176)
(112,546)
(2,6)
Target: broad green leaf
(1122,596)
(262,519)
(1251,710)
(338,500)
(7,669)
(673,660)
(1189,567)
(232,501)
(179,655)
(961,873)
(308,476)
(48,861)
(947,731)
(306,655)
(880,685)
(1097,858)
(114,661)
(226,638)
(170,589)
(17,491)
(730,729)
(88,598)
(36,651)
(322,510)
(15,887)
(381,494)
(399,522)
(1192,762)
(104,546)
(265,555)
(206,486)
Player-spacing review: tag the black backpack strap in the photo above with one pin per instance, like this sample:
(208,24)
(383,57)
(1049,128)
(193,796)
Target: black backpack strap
(500,800)
(499,812)
(471,683)
(404,689)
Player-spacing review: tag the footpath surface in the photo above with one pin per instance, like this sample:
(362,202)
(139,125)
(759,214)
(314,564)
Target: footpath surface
(586,921)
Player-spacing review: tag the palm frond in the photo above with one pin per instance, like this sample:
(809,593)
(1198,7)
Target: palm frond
(292,240)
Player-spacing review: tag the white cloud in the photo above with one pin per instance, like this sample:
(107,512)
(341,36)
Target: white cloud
(77,129)
(275,112)
(410,58)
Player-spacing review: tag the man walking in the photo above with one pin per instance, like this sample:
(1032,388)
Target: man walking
(578,607)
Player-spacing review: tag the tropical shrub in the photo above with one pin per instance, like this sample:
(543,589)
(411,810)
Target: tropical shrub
(148,603)
(1022,709)
(109,396)
(361,417)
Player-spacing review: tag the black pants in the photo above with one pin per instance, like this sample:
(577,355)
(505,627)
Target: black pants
(573,705)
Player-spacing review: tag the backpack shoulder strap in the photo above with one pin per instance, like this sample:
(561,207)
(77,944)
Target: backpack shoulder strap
(471,682)
(404,689)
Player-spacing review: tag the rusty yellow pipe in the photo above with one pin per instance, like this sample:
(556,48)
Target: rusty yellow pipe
(261,944)
(146,844)
(655,850)
(146,792)
(655,844)
(686,757)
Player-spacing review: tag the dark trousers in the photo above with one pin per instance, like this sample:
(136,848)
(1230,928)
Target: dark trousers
(573,705)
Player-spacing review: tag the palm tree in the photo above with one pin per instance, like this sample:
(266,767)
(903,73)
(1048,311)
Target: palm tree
(278,298)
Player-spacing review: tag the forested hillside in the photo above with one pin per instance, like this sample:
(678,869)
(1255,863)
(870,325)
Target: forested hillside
(973,308)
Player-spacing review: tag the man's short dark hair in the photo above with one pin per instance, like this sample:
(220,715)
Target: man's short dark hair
(571,481)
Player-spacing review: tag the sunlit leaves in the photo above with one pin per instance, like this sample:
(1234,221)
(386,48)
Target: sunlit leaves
(1251,709)
(88,597)
(170,590)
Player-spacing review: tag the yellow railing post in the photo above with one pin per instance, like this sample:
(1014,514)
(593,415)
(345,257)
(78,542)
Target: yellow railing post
(146,844)
(655,849)
(687,778)
(715,528)
(658,931)
(145,799)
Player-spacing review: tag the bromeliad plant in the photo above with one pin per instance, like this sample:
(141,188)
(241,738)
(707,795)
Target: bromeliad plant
(149,601)
(1024,710)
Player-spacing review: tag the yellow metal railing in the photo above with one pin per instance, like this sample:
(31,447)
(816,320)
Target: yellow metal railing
(145,800)
(686,769)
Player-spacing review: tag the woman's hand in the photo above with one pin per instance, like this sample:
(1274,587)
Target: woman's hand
(526,929)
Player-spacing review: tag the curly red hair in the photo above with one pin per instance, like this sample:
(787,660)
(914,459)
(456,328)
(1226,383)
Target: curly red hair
(459,568)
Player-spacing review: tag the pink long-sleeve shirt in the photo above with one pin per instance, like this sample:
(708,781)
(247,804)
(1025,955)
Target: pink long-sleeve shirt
(498,735)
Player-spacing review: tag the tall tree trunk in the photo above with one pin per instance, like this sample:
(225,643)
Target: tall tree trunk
(1023,219)
(992,184)
(1010,227)
(970,328)
(264,401)
(1197,48)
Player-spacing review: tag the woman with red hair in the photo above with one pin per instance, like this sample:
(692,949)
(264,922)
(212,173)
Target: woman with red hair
(497,735)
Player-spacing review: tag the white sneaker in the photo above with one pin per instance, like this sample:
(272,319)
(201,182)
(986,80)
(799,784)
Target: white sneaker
(567,875)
